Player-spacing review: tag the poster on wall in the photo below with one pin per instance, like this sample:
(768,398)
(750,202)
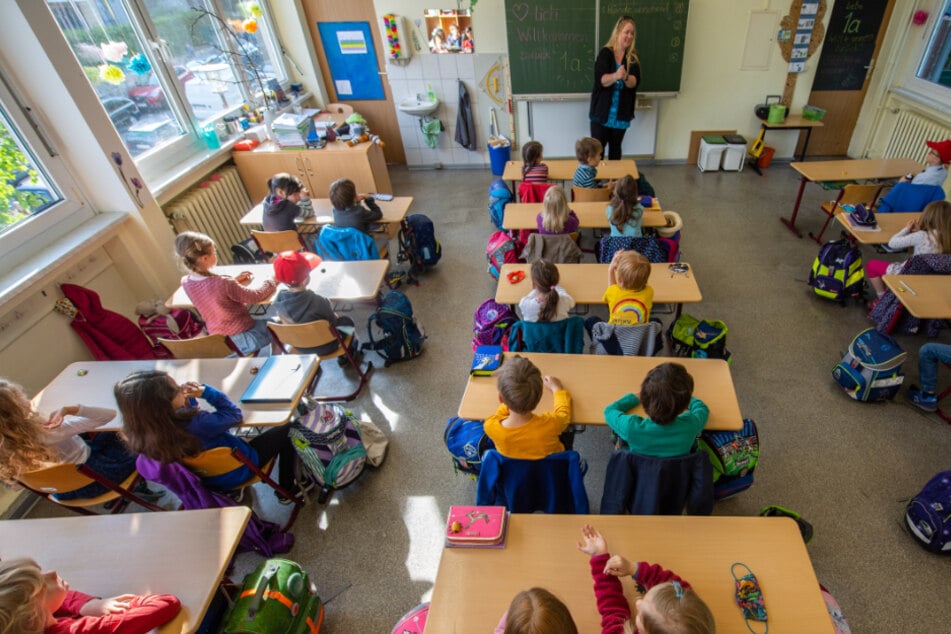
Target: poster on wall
(352,59)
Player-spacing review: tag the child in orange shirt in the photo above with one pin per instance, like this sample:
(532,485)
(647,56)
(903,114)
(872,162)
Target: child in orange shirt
(516,430)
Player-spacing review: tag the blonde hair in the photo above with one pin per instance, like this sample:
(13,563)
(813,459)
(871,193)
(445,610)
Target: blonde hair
(632,271)
(21,435)
(191,245)
(520,384)
(672,614)
(630,54)
(538,611)
(554,209)
(936,218)
(21,606)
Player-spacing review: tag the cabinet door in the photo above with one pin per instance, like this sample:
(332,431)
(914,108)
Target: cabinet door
(255,168)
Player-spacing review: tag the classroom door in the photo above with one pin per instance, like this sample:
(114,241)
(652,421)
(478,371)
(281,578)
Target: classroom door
(379,113)
(845,67)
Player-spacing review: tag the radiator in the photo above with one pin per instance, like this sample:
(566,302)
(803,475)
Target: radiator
(213,207)
(910,133)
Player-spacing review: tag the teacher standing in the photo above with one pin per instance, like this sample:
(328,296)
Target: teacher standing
(617,72)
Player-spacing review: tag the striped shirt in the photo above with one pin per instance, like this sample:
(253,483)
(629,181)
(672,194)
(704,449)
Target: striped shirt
(223,303)
(536,174)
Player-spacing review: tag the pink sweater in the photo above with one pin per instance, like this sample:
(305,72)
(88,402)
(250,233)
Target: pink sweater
(145,613)
(223,303)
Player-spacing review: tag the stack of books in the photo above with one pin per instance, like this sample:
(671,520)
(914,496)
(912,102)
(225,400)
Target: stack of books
(476,527)
(290,130)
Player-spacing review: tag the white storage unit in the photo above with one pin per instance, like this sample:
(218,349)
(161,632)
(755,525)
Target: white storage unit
(712,147)
(734,156)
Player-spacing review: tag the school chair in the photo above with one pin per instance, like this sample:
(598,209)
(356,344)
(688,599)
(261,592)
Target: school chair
(563,336)
(644,485)
(560,249)
(851,194)
(631,341)
(590,194)
(65,478)
(201,347)
(274,242)
(346,244)
(293,337)
(554,484)
(221,460)
(909,197)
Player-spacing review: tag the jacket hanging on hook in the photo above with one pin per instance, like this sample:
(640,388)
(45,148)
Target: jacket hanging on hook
(465,128)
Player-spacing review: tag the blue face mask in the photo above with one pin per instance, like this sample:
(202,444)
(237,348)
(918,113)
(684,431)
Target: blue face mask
(749,596)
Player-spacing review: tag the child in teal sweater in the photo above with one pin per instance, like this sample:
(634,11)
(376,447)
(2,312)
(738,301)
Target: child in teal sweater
(674,416)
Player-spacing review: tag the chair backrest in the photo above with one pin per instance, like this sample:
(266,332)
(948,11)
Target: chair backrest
(853,194)
(203,347)
(554,248)
(311,334)
(532,192)
(644,485)
(591,194)
(61,478)
(213,462)
(277,241)
(563,336)
(345,244)
(630,341)
(910,197)
(554,484)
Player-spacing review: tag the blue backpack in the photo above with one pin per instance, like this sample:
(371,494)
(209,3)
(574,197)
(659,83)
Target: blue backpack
(418,243)
(499,196)
(928,515)
(393,331)
(871,369)
(466,442)
(734,455)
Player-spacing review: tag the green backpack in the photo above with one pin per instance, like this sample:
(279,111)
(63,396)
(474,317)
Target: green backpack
(699,338)
(277,598)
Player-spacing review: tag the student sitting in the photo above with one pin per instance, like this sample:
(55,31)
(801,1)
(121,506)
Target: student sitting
(515,429)
(348,212)
(935,172)
(555,217)
(287,199)
(629,297)
(37,602)
(625,211)
(547,301)
(674,416)
(533,170)
(534,611)
(930,355)
(588,152)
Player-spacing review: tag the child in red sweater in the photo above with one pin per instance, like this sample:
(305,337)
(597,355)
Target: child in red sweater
(35,602)
(668,606)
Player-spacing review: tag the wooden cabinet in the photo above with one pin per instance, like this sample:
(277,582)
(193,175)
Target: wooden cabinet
(363,164)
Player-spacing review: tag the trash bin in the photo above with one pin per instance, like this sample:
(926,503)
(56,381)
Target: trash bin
(711,151)
(499,155)
(766,157)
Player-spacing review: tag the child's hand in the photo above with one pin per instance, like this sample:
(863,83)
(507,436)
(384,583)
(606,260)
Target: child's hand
(244,278)
(912,225)
(552,383)
(102,607)
(618,566)
(56,418)
(193,389)
(592,542)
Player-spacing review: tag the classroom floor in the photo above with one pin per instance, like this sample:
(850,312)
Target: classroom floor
(847,467)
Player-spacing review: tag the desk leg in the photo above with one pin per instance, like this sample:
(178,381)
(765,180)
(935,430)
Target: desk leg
(805,145)
(791,222)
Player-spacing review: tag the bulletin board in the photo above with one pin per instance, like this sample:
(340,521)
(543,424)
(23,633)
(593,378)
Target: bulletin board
(351,56)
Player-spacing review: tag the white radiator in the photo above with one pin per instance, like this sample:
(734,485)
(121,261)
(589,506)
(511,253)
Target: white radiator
(214,207)
(910,133)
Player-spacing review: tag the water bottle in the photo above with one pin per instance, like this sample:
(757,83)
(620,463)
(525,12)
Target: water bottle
(426,253)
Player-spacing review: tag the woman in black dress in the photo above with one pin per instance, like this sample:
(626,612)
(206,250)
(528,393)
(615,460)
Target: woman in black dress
(617,73)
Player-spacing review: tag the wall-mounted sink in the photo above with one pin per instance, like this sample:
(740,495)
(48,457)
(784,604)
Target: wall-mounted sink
(418,107)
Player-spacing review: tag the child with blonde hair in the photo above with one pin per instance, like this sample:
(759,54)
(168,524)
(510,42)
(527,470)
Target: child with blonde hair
(37,602)
(533,170)
(629,297)
(667,603)
(516,430)
(624,210)
(547,301)
(555,217)
(536,611)
(222,300)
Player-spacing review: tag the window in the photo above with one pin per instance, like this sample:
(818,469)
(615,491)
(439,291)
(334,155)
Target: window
(935,64)
(166,69)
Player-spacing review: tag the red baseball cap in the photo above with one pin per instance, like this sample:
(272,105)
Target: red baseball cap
(943,148)
(292,267)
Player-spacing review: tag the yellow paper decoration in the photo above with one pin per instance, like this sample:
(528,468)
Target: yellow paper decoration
(111,74)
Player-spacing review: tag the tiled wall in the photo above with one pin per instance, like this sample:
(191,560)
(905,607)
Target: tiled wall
(444,72)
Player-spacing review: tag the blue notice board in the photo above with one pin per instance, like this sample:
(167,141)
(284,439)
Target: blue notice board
(352,58)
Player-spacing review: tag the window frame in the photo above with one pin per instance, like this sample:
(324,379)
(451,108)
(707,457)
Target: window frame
(923,87)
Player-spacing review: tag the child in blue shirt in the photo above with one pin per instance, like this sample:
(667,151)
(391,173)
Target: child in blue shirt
(588,152)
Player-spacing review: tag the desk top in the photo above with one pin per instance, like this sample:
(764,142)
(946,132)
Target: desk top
(587,282)
(231,376)
(700,549)
(856,169)
(888,224)
(108,555)
(933,298)
(792,122)
(337,281)
(590,215)
(393,211)
(595,381)
(564,169)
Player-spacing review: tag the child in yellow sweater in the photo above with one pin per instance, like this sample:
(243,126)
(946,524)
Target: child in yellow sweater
(516,430)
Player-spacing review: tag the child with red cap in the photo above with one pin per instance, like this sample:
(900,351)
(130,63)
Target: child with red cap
(939,155)
(297,304)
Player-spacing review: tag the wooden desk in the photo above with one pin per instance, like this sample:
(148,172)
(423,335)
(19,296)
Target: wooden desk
(590,215)
(586,283)
(231,376)
(791,122)
(847,170)
(931,298)
(541,551)
(595,381)
(337,281)
(888,224)
(564,169)
(184,553)
(393,212)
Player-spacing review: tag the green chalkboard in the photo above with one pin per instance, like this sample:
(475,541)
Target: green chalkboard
(553,43)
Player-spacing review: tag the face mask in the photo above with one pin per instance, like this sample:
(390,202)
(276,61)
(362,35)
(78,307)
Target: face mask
(749,596)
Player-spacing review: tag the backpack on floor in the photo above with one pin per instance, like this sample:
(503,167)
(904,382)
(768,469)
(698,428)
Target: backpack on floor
(277,598)
(839,624)
(329,444)
(871,369)
(491,323)
(734,455)
(393,331)
(466,442)
(418,243)
(699,338)
(928,515)
(499,196)
(501,249)
(837,272)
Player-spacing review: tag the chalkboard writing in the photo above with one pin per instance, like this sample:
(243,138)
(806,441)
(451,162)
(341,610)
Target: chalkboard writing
(849,44)
(553,43)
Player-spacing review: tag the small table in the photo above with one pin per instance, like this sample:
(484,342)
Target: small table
(394,211)
(848,170)
(540,550)
(184,553)
(925,296)
(594,381)
(564,169)
(590,215)
(94,386)
(337,281)
(791,122)
(888,225)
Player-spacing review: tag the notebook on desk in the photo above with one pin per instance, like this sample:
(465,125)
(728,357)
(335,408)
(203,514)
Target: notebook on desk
(279,379)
